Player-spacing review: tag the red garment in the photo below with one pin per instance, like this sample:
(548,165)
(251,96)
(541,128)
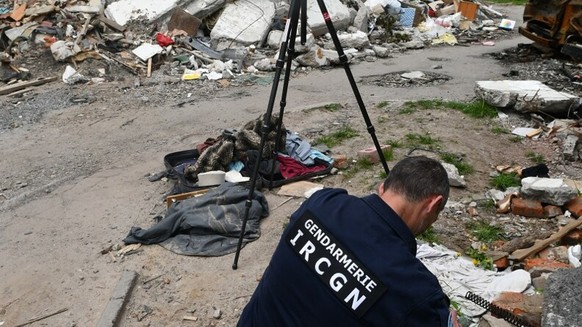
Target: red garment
(290,167)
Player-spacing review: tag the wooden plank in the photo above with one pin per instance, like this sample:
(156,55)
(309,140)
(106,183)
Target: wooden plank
(542,244)
(111,23)
(19,86)
(182,196)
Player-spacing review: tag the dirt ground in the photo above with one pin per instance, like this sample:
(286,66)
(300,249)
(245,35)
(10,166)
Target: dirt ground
(75,161)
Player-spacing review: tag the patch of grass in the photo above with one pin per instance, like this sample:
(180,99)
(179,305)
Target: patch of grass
(487,205)
(485,232)
(475,109)
(395,144)
(337,137)
(333,107)
(424,104)
(498,130)
(428,236)
(382,120)
(505,181)
(516,139)
(406,111)
(382,104)
(464,167)
(358,166)
(535,157)
(417,140)
(480,259)
(388,154)
(383,174)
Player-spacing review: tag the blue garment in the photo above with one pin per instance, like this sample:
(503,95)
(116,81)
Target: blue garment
(376,279)
(298,149)
(317,154)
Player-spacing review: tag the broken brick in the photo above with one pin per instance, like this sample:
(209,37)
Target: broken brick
(526,307)
(572,238)
(552,211)
(527,208)
(575,206)
(371,154)
(544,264)
(340,161)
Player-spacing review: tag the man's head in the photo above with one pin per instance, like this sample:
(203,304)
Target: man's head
(423,184)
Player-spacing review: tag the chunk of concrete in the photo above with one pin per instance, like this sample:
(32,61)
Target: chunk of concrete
(455,179)
(125,10)
(338,13)
(526,96)
(204,8)
(361,19)
(357,40)
(547,190)
(562,299)
(313,58)
(235,21)
(569,149)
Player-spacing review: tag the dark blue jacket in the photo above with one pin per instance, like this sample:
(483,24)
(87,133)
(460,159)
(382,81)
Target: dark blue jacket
(346,261)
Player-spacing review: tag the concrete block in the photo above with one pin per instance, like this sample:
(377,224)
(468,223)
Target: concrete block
(547,190)
(527,208)
(562,300)
(338,13)
(526,96)
(119,297)
(233,24)
(124,10)
(569,148)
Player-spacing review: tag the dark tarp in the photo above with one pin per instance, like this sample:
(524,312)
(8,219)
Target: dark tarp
(208,225)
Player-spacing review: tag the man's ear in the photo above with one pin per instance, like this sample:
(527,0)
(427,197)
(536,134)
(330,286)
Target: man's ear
(434,203)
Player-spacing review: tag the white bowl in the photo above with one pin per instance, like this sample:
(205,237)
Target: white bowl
(215,177)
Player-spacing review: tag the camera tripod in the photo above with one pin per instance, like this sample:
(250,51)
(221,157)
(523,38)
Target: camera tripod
(298,8)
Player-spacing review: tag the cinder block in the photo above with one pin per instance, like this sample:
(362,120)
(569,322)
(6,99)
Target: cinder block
(527,208)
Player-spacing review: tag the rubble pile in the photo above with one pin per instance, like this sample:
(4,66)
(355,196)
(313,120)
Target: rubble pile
(216,39)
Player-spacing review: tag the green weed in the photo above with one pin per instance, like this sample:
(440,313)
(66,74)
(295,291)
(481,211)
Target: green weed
(505,181)
(337,137)
(463,167)
(516,139)
(498,130)
(382,104)
(480,259)
(417,140)
(475,109)
(428,236)
(333,107)
(485,232)
(535,157)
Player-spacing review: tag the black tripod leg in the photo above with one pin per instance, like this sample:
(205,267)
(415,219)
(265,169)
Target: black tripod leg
(290,29)
(283,103)
(344,60)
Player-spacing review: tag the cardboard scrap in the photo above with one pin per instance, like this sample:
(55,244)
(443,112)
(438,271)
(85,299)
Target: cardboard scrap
(299,189)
